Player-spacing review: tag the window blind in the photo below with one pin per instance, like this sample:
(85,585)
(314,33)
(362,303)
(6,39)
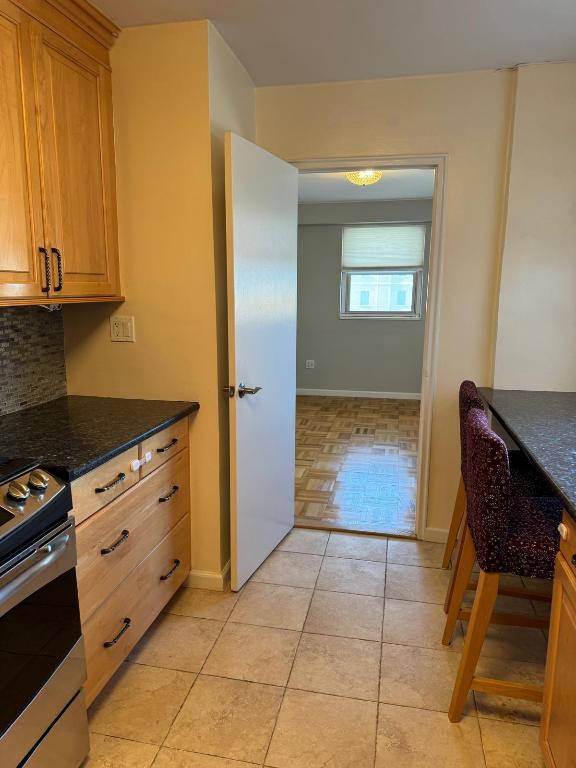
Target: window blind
(383,245)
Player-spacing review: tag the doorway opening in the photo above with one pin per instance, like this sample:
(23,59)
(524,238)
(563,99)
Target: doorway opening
(367,285)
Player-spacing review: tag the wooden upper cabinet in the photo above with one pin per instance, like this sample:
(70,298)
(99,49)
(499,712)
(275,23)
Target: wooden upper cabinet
(58,229)
(21,228)
(77,150)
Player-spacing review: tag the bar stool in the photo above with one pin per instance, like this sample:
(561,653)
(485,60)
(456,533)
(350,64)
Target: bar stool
(468,397)
(505,534)
(525,482)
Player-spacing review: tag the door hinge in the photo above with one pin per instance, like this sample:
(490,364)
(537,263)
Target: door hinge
(229,391)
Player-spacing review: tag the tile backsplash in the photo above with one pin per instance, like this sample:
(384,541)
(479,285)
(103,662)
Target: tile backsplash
(32,366)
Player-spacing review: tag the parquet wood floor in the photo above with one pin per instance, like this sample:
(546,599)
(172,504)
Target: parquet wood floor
(356,464)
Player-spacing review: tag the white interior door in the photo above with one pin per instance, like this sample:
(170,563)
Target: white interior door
(261,225)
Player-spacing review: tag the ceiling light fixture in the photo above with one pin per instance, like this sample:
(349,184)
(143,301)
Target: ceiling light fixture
(364,177)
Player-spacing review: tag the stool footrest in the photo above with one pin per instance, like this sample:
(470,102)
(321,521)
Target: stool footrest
(506,688)
(510,619)
(525,594)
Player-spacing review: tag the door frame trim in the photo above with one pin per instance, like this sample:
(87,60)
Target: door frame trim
(438,162)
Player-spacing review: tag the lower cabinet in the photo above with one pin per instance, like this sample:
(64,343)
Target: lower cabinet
(133,554)
(558,731)
(116,626)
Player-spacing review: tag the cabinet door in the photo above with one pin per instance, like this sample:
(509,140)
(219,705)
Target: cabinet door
(21,229)
(77,150)
(558,735)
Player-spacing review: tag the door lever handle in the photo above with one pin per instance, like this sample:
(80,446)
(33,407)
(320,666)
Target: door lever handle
(242,390)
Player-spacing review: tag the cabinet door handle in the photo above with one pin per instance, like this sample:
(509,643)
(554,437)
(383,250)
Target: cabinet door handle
(47,270)
(119,479)
(171,444)
(125,628)
(58,255)
(123,536)
(166,576)
(168,496)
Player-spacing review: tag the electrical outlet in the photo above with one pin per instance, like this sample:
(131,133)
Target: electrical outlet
(122,328)
(310,363)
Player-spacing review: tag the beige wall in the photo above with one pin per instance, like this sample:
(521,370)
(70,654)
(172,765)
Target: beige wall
(163,97)
(535,346)
(466,116)
(232,108)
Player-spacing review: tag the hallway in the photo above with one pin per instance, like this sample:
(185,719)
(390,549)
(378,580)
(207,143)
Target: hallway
(356,462)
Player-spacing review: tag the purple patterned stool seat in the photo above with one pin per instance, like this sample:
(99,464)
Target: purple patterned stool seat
(533,537)
(511,534)
(505,533)
(524,480)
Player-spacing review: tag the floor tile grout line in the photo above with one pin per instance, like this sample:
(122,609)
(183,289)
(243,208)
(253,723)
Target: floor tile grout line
(193,683)
(380,664)
(294,658)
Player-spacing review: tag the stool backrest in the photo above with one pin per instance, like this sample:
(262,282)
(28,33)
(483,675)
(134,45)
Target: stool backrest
(487,491)
(468,398)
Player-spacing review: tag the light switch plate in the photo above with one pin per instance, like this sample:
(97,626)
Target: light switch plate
(310,363)
(122,328)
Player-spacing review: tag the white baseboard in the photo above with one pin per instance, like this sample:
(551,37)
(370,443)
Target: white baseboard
(217,581)
(438,535)
(360,393)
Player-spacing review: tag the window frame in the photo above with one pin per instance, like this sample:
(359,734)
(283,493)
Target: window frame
(414,314)
(419,275)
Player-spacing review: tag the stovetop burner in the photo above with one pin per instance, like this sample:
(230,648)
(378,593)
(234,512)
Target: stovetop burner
(31,501)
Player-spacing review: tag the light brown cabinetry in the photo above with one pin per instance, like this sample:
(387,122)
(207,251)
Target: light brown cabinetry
(21,225)
(161,447)
(118,537)
(133,549)
(558,731)
(114,629)
(58,231)
(102,485)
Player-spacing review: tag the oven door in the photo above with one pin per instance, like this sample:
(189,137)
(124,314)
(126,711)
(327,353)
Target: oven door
(42,664)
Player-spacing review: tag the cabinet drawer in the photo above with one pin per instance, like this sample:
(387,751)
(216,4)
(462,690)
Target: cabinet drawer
(164,445)
(105,483)
(116,539)
(113,630)
(568,545)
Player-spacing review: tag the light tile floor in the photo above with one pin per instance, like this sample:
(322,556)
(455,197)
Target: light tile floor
(356,464)
(330,657)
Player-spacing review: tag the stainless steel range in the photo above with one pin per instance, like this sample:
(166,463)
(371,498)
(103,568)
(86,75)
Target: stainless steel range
(42,666)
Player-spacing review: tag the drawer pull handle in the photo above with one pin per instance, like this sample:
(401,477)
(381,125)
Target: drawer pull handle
(107,550)
(125,628)
(166,576)
(171,444)
(119,479)
(173,492)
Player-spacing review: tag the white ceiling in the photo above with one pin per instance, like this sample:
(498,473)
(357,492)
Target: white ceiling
(399,184)
(306,41)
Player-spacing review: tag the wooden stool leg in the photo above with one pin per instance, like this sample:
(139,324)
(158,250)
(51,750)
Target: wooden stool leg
(466,560)
(486,594)
(454,571)
(457,517)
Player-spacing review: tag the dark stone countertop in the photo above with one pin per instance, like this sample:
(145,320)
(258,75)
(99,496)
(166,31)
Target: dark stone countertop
(74,434)
(543,424)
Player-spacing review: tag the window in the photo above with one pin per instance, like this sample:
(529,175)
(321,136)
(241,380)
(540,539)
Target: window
(382,270)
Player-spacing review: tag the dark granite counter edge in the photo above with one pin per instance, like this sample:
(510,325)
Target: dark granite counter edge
(73,473)
(486,393)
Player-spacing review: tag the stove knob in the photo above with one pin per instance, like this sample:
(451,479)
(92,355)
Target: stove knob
(39,480)
(18,491)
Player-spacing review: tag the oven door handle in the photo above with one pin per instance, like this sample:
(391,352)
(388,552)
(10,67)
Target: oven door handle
(19,578)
